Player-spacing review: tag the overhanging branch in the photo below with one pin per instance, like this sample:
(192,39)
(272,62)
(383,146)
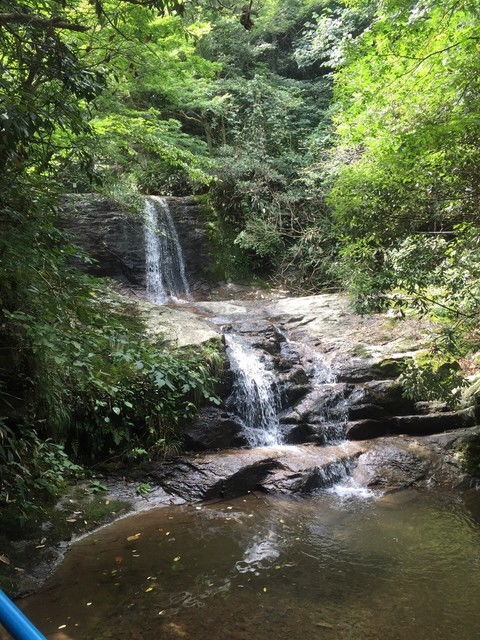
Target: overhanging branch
(36,21)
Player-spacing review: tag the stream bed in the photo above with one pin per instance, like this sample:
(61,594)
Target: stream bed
(403,566)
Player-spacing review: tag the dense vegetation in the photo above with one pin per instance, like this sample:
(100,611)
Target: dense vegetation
(337,142)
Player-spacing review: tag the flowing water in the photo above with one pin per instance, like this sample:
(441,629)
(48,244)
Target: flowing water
(166,278)
(255,397)
(403,567)
(323,379)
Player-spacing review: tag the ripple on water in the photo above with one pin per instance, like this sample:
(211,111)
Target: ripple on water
(403,567)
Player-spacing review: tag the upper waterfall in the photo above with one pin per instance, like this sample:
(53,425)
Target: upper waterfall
(164,263)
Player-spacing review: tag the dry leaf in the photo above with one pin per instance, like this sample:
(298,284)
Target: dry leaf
(135,536)
(4,559)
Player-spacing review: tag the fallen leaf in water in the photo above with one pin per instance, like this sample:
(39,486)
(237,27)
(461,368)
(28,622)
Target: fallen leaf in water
(167,533)
(119,559)
(278,566)
(229,507)
(19,569)
(177,558)
(264,589)
(324,625)
(136,536)
(160,613)
(149,589)
(135,555)
(4,559)
(40,546)
(71,519)
(62,626)
(43,540)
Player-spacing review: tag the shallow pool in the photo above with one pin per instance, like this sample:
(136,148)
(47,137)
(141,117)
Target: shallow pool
(399,567)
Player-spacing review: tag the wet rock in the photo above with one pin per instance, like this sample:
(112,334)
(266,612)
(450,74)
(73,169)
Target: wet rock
(387,394)
(393,466)
(363,411)
(413,425)
(432,406)
(369,428)
(293,393)
(225,475)
(232,473)
(193,235)
(213,428)
(289,416)
(295,375)
(109,235)
(434,423)
(320,401)
(361,370)
(300,433)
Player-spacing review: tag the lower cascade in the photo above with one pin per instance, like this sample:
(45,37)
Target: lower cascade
(166,278)
(255,396)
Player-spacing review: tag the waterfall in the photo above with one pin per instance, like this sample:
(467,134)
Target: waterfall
(323,378)
(255,397)
(164,264)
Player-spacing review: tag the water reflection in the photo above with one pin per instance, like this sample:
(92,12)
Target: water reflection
(400,567)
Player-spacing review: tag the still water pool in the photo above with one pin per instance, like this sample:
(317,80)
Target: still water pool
(401,567)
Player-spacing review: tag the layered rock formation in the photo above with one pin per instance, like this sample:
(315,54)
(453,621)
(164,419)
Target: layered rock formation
(114,239)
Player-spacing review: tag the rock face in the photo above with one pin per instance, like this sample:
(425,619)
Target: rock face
(213,428)
(299,470)
(110,236)
(114,238)
(385,464)
(414,425)
(327,393)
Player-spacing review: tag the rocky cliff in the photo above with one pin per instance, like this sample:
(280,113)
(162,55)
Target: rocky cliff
(114,239)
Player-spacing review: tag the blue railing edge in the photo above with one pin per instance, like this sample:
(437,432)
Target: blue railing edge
(16,622)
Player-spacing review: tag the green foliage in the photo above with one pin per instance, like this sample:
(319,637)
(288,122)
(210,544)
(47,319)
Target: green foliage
(469,456)
(335,142)
(30,468)
(73,375)
(432,377)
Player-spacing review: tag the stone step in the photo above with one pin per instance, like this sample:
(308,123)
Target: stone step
(414,425)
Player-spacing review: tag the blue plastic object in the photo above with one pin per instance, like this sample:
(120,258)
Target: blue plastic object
(15,622)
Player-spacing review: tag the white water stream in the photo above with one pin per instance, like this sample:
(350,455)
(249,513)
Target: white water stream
(255,395)
(166,278)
